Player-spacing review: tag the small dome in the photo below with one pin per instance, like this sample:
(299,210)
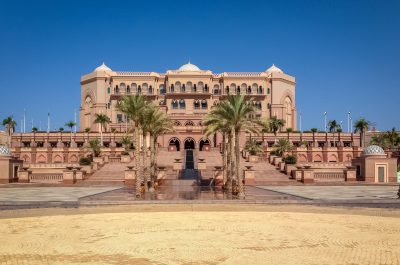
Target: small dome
(189,68)
(4,151)
(373,150)
(274,69)
(102,67)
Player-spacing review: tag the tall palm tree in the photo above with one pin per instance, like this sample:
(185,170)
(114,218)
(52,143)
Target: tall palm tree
(133,106)
(333,126)
(10,124)
(156,123)
(380,139)
(314,130)
(237,112)
(276,125)
(362,125)
(213,125)
(71,125)
(103,120)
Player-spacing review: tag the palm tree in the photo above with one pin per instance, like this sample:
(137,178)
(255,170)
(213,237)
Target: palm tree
(393,138)
(71,125)
(282,146)
(155,124)
(94,145)
(103,120)
(333,126)
(10,124)
(276,125)
(314,130)
(362,125)
(213,125)
(133,106)
(236,112)
(380,140)
(126,142)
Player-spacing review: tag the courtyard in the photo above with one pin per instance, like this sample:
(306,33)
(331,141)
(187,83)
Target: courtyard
(200,234)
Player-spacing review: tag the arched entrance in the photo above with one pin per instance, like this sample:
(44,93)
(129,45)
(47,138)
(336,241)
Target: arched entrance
(174,142)
(202,143)
(189,143)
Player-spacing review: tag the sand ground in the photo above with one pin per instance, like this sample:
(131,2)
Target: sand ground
(200,234)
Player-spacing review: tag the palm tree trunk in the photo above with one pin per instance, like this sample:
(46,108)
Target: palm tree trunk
(101,134)
(232,152)
(224,159)
(138,164)
(152,162)
(228,163)
(239,176)
(144,158)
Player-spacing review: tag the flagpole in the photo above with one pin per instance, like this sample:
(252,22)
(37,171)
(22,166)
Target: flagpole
(75,121)
(24,120)
(325,121)
(48,122)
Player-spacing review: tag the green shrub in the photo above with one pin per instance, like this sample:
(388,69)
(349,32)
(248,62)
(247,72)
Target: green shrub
(84,161)
(124,153)
(290,160)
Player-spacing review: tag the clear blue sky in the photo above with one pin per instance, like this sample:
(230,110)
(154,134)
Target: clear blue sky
(345,55)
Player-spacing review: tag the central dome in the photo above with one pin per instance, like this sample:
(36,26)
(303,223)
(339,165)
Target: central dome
(189,68)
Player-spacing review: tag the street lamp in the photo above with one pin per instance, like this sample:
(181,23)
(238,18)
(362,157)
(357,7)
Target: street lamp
(326,126)
(348,122)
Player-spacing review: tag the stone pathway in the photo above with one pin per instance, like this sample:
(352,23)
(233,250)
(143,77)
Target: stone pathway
(335,193)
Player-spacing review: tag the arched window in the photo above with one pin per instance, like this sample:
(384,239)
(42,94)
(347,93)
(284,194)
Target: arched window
(216,89)
(232,88)
(122,87)
(177,123)
(196,104)
(178,86)
(243,88)
(162,89)
(133,87)
(200,85)
(172,89)
(288,108)
(116,90)
(139,90)
(174,104)
(258,105)
(182,104)
(238,90)
(204,104)
(183,88)
(189,86)
(227,90)
(205,88)
(260,90)
(150,90)
(254,87)
(108,90)
(268,90)
(189,123)
(128,90)
(145,87)
(194,88)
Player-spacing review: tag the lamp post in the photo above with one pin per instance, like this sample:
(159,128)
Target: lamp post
(348,122)
(326,126)
(300,121)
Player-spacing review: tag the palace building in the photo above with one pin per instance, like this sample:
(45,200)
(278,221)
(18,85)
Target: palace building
(186,95)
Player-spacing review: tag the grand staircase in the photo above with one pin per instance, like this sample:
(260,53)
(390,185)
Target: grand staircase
(109,174)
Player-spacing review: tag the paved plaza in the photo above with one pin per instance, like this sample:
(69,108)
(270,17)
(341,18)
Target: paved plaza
(75,196)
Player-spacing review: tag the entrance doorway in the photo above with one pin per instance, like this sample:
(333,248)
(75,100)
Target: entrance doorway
(189,143)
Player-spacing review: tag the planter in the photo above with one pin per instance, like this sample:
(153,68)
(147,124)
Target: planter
(125,159)
(281,166)
(276,160)
(253,158)
(289,168)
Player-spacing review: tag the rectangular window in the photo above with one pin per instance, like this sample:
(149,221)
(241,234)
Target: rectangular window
(119,118)
(381,174)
